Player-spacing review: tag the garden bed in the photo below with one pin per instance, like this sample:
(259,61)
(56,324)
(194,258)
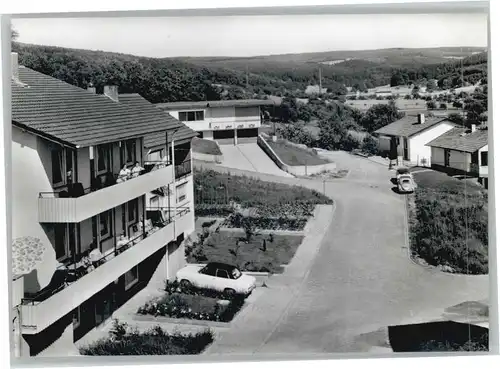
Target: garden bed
(448,225)
(231,248)
(214,192)
(124,341)
(268,223)
(182,305)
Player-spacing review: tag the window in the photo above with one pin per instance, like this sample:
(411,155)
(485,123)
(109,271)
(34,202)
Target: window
(76,317)
(131,277)
(57,157)
(105,224)
(181,192)
(132,211)
(208,270)
(129,152)
(484,158)
(154,202)
(60,240)
(103,158)
(190,116)
(221,273)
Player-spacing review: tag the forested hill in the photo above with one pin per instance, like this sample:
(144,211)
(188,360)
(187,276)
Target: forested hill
(195,79)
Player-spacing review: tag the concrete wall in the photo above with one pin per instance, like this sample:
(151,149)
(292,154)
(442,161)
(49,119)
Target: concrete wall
(418,151)
(207,157)
(31,175)
(296,170)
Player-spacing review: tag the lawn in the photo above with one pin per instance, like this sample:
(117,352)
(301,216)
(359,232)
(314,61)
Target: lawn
(124,341)
(449,223)
(293,155)
(214,192)
(434,180)
(226,247)
(205,146)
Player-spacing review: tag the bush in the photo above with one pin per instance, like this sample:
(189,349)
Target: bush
(155,341)
(369,145)
(280,223)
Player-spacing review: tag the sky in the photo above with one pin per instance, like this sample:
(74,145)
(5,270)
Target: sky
(255,35)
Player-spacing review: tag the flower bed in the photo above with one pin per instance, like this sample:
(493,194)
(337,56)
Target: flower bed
(267,223)
(155,341)
(194,304)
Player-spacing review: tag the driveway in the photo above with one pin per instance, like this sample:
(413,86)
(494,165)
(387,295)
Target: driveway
(360,281)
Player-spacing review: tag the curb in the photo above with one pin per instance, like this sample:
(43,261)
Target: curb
(180,321)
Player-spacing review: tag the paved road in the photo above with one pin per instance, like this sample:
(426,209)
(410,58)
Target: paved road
(361,279)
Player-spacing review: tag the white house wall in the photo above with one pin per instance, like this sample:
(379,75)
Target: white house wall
(418,151)
(32,164)
(483,170)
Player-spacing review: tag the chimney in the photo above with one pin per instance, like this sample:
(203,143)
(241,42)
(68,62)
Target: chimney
(91,88)
(111,92)
(421,118)
(473,128)
(14,60)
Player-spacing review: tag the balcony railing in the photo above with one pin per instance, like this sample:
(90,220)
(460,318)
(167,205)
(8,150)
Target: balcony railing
(77,204)
(183,169)
(44,308)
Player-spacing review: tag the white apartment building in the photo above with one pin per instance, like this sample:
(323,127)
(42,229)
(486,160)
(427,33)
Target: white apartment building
(87,232)
(226,121)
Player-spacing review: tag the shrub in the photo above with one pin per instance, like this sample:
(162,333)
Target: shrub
(152,342)
(369,145)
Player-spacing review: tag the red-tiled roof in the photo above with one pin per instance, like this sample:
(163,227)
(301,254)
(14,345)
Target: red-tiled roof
(409,126)
(152,140)
(460,139)
(74,116)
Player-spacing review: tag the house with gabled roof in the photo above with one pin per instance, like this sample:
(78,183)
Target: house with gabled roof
(405,140)
(462,151)
(86,236)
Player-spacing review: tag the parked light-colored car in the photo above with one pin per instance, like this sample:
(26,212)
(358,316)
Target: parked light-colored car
(406,183)
(217,276)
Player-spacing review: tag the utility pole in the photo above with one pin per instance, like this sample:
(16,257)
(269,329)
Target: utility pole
(247,76)
(320,82)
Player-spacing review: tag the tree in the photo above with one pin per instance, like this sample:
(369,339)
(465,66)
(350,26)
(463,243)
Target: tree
(399,79)
(443,106)
(431,105)
(332,134)
(431,85)
(369,145)
(379,116)
(14,35)
(456,118)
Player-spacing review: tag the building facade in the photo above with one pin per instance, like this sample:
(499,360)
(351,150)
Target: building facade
(462,152)
(85,235)
(406,139)
(226,121)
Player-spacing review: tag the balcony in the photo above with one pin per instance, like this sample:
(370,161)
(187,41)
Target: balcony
(59,207)
(483,171)
(183,169)
(80,282)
